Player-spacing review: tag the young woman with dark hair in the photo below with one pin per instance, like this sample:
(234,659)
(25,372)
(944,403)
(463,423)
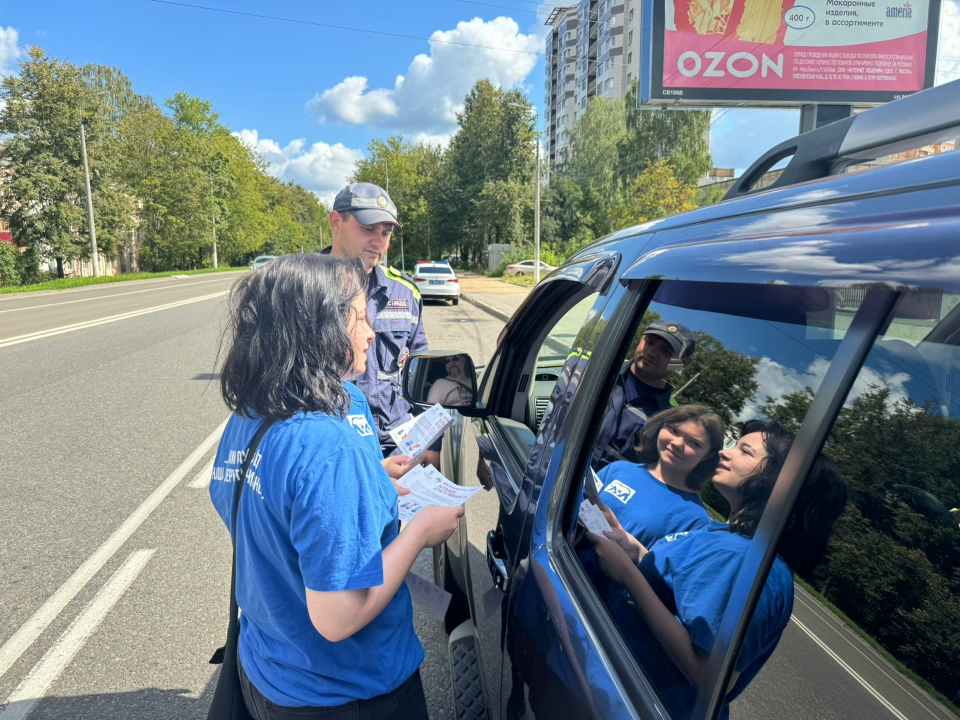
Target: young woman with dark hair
(326,622)
(678,452)
(683,584)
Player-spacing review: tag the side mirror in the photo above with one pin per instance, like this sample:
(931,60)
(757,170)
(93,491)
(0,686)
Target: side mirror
(445,377)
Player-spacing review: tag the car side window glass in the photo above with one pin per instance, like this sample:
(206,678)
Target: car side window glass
(556,348)
(684,461)
(891,564)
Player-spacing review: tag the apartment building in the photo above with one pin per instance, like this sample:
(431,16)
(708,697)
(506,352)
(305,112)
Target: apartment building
(593,49)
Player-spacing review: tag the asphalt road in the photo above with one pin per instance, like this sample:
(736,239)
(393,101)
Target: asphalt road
(115,567)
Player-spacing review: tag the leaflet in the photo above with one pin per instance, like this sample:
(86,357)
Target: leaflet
(428,487)
(592,519)
(400,431)
(427,597)
(422,431)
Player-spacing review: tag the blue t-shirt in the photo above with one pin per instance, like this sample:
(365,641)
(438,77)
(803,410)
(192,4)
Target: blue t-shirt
(317,511)
(647,508)
(694,574)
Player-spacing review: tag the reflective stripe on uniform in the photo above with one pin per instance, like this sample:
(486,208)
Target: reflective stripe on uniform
(395,274)
(397,315)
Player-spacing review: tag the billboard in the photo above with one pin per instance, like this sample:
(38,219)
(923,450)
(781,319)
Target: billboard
(787,52)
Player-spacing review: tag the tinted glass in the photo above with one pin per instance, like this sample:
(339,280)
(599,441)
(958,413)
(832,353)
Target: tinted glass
(434,270)
(683,508)
(891,566)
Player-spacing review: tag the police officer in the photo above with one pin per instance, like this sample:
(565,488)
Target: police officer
(363,220)
(642,388)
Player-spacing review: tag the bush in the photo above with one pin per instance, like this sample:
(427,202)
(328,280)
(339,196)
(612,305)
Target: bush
(10,265)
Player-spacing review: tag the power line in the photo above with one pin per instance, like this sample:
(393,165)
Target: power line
(341,27)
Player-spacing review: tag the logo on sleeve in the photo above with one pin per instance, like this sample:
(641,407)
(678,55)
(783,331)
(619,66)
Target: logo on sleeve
(621,492)
(360,424)
(673,536)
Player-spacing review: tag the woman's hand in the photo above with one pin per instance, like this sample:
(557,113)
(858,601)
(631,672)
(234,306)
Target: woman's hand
(613,558)
(397,466)
(435,524)
(633,547)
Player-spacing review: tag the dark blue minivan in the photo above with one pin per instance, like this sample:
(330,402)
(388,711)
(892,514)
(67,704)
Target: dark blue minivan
(813,569)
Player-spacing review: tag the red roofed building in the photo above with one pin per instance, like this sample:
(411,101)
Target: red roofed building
(5,235)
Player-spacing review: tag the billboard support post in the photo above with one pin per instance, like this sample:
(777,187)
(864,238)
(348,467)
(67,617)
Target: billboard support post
(816,115)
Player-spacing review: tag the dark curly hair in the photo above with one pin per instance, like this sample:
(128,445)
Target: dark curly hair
(819,503)
(705,418)
(289,344)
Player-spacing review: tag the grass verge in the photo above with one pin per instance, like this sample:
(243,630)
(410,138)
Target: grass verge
(67,283)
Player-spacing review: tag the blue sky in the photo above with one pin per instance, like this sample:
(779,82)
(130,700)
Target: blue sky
(310,98)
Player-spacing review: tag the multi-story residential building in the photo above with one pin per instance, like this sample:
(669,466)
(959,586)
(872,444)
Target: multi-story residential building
(593,50)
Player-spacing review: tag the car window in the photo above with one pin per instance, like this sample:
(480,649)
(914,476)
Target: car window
(553,352)
(891,564)
(704,364)
(434,270)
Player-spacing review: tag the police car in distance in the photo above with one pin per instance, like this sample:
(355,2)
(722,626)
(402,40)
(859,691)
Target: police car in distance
(830,302)
(437,281)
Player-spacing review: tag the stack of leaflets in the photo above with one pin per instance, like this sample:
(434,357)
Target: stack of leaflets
(419,433)
(428,487)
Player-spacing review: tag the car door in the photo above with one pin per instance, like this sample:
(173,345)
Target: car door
(501,447)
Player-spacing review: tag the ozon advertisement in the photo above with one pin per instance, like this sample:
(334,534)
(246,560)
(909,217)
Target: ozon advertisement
(788,52)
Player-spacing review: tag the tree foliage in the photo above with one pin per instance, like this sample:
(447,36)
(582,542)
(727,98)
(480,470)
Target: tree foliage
(163,180)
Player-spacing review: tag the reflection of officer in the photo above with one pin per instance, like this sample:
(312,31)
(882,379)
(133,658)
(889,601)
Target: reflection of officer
(363,220)
(642,388)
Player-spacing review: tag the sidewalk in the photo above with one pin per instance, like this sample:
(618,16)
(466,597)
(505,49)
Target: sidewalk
(495,297)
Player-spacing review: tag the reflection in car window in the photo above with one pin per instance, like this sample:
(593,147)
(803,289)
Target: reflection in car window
(891,566)
(683,478)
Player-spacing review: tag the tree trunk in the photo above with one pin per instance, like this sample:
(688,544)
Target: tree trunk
(60,268)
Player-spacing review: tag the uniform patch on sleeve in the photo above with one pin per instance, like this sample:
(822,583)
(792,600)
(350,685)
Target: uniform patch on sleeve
(398,304)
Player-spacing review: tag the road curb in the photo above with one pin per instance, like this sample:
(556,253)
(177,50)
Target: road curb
(503,317)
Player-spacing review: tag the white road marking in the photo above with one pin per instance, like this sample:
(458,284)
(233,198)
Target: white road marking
(853,673)
(45,672)
(832,622)
(202,479)
(14,647)
(175,286)
(102,321)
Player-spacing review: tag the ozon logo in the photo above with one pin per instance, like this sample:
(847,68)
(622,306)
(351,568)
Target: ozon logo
(741,64)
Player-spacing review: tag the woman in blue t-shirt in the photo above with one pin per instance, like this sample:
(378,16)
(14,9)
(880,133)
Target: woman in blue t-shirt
(679,452)
(326,621)
(676,598)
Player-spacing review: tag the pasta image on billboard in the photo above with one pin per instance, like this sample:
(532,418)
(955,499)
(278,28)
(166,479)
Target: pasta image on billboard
(709,19)
(761,21)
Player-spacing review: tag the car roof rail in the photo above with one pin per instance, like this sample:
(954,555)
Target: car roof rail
(920,119)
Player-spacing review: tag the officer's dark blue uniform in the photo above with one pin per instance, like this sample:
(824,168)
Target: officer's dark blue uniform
(395,310)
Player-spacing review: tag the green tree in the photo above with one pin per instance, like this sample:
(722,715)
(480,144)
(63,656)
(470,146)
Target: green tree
(678,136)
(412,170)
(43,196)
(656,192)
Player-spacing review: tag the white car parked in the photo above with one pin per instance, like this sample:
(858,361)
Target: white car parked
(527,267)
(437,281)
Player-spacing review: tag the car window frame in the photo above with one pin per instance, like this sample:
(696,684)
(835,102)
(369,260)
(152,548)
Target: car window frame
(869,320)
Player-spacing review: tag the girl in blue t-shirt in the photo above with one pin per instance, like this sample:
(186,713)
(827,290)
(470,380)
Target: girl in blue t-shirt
(326,621)
(676,598)
(678,450)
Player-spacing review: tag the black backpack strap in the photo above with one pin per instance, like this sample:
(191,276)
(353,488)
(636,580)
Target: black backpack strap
(233,628)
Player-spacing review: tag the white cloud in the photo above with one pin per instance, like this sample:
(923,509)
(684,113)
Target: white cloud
(320,168)
(778,381)
(427,98)
(949,51)
(9,49)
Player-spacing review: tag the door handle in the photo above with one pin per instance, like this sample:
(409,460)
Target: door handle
(496,560)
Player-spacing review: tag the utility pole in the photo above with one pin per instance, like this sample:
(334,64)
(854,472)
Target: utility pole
(214,241)
(386,165)
(536,213)
(86,179)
